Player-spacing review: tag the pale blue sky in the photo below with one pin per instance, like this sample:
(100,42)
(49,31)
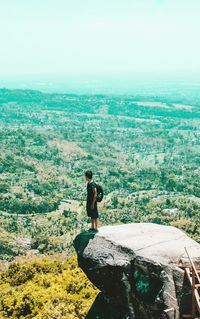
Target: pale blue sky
(99,36)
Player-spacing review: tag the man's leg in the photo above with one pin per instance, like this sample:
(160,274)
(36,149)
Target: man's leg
(96,222)
(93,223)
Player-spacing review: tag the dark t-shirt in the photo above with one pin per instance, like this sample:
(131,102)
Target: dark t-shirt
(93,213)
(90,194)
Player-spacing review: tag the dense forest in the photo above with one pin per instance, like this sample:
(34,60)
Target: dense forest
(45,289)
(143,149)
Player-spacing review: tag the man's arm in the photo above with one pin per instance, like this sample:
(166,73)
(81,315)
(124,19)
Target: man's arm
(94,190)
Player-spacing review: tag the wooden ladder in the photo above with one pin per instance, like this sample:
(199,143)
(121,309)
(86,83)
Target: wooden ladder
(194,280)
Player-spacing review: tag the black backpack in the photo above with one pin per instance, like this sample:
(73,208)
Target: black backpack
(99,193)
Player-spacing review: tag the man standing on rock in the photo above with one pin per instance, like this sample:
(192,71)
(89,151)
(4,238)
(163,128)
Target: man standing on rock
(91,205)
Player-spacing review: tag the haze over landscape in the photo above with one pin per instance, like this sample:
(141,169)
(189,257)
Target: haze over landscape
(98,45)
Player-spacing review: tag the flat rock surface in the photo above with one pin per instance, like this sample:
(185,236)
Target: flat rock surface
(150,240)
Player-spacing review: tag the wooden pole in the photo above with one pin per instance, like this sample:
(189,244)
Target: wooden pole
(193,294)
(193,266)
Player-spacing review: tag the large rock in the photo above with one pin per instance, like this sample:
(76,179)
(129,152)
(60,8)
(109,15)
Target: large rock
(136,268)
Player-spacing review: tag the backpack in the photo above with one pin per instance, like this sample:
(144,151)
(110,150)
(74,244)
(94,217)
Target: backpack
(99,193)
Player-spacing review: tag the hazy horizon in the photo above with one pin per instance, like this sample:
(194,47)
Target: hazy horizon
(96,40)
(123,84)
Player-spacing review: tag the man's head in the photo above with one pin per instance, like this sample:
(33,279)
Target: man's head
(88,175)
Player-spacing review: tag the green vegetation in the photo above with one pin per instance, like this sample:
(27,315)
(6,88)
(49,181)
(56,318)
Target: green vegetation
(144,150)
(45,289)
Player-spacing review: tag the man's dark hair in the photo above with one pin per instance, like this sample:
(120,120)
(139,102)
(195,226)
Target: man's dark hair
(88,174)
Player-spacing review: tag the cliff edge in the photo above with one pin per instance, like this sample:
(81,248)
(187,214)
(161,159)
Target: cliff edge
(137,269)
